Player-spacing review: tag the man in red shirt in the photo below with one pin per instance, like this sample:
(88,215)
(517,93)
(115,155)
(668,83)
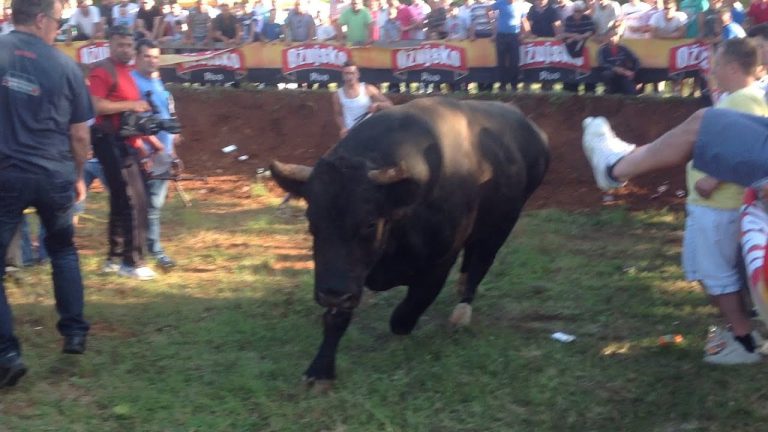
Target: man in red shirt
(114,93)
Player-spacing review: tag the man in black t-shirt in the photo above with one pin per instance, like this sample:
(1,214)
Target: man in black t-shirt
(225,26)
(45,110)
(148,19)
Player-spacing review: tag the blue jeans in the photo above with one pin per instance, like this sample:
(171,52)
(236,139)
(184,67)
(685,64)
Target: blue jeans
(52,197)
(91,172)
(157,190)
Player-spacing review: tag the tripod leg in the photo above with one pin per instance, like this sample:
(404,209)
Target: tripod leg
(183,195)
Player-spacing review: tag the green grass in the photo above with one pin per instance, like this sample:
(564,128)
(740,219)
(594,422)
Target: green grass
(220,343)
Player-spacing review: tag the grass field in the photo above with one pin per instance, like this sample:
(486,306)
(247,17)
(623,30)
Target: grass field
(220,343)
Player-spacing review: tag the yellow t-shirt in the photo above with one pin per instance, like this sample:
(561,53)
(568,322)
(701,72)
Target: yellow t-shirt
(750,100)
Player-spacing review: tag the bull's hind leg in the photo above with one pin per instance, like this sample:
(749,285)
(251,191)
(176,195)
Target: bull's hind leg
(479,254)
(420,296)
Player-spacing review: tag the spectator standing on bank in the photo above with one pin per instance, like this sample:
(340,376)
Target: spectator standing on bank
(148,19)
(456,25)
(605,14)
(225,27)
(105,11)
(730,29)
(114,93)
(270,31)
(709,22)
(299,26)
(324,29)
(435,20)
(692,9)
(634,20)
(544,20)
(124,14)
(390,31)
(670,23)
(199,24)
(358,21)
(147,78)
(757,13)
(578,28)
(510,23)
(86,22)
(44,140)
(738,13)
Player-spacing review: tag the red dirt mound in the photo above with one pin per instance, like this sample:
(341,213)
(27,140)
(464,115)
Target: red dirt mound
(298,127)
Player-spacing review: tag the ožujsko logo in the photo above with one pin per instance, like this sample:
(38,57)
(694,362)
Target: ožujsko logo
(314,56)
(430,56)
(552,55)
(689,57)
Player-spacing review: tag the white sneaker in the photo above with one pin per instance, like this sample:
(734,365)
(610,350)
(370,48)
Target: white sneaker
(731,353)
(141,273)
(110,266)
(603,149)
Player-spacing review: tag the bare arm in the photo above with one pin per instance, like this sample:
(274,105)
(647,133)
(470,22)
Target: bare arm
(379,100)
(106,106)
(337,114)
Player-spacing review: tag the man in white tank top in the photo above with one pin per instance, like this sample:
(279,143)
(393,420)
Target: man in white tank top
(355,99)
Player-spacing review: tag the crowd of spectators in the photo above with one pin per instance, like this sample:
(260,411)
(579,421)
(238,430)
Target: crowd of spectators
(212,23)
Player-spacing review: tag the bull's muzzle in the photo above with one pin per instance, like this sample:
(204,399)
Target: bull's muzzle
(343,301)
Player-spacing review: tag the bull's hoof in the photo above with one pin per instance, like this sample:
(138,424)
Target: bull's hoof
(462,315)
(461,285)
(318,386)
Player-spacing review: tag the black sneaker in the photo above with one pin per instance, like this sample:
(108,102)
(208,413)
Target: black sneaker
(165,262)
(74,344)
(11,369)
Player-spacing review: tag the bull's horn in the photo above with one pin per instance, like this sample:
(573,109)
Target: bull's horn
(387,176)
(292,171)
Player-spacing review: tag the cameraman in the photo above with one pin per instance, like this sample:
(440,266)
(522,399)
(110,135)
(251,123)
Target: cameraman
(115,96)
(147,78)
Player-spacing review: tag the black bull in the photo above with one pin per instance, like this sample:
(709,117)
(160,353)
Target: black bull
(397,200)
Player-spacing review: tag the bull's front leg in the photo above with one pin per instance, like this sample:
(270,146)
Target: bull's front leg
(323,367)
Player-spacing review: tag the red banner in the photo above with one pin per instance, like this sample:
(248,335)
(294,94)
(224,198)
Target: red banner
(689,57)
(552,54)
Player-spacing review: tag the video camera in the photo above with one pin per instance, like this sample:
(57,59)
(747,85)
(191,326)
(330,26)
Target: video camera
(142,124)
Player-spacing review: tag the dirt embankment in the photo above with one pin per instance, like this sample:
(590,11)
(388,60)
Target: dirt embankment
(298,127)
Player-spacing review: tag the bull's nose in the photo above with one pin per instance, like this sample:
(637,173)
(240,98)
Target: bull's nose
(344,301)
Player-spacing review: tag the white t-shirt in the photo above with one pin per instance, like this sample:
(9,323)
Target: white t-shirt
(352,110)
(604,17)
(86,24)
(666,28)
(457,27)
(325,32)
(634,16)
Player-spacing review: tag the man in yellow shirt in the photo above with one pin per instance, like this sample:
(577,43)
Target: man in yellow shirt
(711,239)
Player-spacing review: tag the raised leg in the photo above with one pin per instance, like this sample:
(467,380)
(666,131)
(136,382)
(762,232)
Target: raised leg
(420,296)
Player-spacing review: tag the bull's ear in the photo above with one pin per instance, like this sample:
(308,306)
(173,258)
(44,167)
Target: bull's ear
(290,177)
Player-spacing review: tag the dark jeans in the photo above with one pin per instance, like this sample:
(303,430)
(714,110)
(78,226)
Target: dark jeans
(127,227)
(508,57)
(617,84)
(52,197)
